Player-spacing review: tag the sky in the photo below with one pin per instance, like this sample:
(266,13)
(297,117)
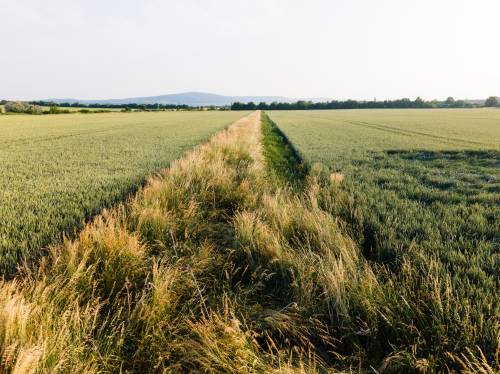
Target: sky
(339,49)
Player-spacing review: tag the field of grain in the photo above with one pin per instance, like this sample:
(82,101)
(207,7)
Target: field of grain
(241,258)
(423,183)
(59,170)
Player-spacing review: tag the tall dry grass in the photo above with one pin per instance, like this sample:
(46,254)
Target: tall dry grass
(217,267)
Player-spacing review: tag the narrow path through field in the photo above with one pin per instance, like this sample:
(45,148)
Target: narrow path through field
(74,311)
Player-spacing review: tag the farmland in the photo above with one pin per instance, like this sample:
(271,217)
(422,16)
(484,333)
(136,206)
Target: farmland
(423,184)
(239,257)
(429,177)
(59,170)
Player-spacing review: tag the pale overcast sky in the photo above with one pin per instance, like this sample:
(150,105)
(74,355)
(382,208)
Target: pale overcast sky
(340,49)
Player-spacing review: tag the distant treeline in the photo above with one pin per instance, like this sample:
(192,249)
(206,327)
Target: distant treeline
(31,108)
(38,107)
(48,107)
(113,106)
(374,104)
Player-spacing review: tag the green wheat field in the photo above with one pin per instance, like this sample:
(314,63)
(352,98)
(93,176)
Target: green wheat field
(424,181)
(58,171)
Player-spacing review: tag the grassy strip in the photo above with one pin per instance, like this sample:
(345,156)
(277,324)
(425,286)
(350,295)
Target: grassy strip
(284,161)
(212,267)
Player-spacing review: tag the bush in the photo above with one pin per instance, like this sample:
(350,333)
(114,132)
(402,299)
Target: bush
(22,107)
(15,107)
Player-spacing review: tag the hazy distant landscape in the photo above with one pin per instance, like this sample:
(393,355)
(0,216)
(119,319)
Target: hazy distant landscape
(207,99)
(186,98)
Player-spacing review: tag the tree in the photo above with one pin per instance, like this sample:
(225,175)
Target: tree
(262,105)
(251,106)
(419,102)
(450,101)
(491,101)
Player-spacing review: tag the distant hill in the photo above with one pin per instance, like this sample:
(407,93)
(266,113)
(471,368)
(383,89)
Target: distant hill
(185,98)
